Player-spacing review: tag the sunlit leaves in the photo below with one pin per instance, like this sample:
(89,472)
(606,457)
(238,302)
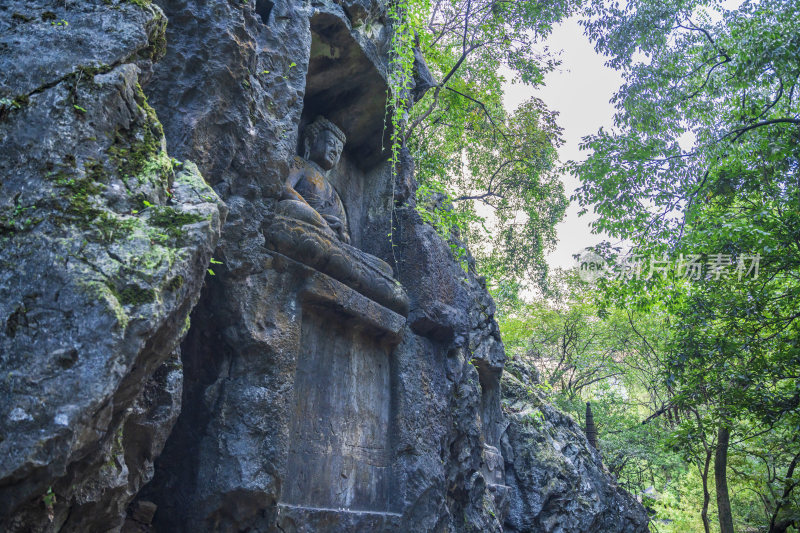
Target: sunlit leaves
(704,158)
(495,166)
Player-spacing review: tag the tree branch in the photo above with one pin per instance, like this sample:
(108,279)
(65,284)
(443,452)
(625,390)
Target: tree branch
(489,192)
(483,107)
(705,32)
(741,131)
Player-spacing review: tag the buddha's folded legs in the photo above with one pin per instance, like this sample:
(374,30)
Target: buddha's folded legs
(302,211)
(309,244)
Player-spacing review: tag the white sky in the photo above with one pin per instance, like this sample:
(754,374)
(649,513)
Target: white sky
(580,90)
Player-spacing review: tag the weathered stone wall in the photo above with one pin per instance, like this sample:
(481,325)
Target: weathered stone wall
(105,242)
(320,392)
(288,424)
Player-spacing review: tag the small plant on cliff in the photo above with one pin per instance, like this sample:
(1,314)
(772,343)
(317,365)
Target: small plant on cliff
(535,418)
(49,500)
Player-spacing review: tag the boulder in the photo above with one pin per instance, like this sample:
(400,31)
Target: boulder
(105,241)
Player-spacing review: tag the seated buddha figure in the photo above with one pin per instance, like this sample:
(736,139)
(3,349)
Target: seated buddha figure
(311,224)
(308,195)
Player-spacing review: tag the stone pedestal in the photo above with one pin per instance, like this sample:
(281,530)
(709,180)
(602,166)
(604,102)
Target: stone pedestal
(339,453)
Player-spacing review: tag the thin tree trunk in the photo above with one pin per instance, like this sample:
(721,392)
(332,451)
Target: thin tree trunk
(706,494)
(780,526)
(721,480)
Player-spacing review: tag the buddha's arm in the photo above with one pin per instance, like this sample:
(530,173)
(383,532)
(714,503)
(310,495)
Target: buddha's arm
(288,186)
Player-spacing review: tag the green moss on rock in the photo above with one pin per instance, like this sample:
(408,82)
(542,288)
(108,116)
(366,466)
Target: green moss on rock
(172,221)
(99,291)
(21,17)
(157,47)
(81,207)
(134,295)
(20,218)
(175,283)
(142,156)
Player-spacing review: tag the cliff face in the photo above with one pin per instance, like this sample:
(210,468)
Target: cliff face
(557,479)
(104,244)
(321,386)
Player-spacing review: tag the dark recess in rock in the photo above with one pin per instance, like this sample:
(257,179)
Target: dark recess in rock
(347,87)
(264,8)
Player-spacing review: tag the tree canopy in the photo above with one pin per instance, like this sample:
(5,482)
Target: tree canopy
(703,163)
(490,172)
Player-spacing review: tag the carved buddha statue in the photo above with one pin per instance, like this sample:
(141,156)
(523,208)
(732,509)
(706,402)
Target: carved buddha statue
(311,224)
(308,195)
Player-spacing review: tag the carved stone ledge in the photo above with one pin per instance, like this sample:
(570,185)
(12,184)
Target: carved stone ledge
(310,519)
(325,291)
(363,272)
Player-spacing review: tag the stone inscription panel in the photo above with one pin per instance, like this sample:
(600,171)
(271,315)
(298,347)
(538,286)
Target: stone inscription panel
(339,455)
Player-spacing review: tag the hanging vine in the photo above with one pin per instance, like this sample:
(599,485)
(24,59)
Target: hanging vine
(401,73)
(401,78)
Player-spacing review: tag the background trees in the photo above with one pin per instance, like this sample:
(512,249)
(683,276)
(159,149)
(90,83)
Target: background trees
(704,161)
(487,172)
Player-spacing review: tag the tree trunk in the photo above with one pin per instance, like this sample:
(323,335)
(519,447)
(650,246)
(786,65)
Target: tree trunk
(591,429)
(776,525)
(706,495)
(721,480)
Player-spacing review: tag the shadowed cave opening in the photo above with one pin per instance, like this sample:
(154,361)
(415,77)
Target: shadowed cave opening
(263,9)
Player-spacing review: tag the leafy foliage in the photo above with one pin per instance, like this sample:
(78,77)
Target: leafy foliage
(704,160)
(725,84)
(487,173)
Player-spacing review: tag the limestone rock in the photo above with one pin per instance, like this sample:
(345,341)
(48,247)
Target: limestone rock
(105,244)
(558,481)
(320,387)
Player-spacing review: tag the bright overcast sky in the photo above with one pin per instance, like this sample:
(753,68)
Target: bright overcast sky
(580,90)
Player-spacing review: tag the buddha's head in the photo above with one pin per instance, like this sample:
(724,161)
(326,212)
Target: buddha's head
(323,143)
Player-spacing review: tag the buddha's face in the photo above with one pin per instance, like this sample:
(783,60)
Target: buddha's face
(326,149)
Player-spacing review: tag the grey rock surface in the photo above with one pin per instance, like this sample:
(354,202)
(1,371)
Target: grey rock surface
(558,482)
(105,243)
(232,458)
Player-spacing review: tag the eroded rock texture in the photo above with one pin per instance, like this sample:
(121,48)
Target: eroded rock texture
(322,385)
(558,481)
(105,242)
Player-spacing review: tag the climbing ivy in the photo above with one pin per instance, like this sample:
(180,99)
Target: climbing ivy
(401,72)
(401,69)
